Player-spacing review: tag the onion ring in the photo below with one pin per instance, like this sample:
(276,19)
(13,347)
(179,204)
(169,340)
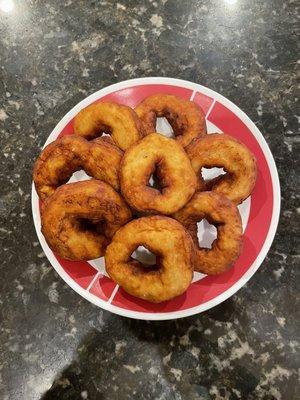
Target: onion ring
(166,238)
(224,151)
(186,118)
(119,121)
(224,215)
(61,158)
(80,218)
(165,157)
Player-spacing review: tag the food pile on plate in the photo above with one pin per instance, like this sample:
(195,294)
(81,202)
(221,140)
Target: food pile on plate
(118,210)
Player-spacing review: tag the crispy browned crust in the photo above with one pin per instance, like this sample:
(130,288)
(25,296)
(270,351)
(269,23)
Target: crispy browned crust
(119,121)
(222,213)
(225,152)
(177,178)
(166,238)
(80,218)
(186,117)
(61,158)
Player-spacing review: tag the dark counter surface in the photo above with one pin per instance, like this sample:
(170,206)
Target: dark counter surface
(53,343)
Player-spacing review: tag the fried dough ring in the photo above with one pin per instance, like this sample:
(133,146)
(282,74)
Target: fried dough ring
(224,215)
(156,153)
(120,121)
(166,238)
(80,218)
(61,158)
(186,118)
(225,152)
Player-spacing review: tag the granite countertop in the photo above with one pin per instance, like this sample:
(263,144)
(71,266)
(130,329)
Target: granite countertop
(53,343)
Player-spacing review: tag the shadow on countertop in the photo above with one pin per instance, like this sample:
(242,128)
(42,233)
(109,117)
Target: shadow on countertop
(125,368)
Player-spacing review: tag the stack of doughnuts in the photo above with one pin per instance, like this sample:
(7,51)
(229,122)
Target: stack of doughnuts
(118,210)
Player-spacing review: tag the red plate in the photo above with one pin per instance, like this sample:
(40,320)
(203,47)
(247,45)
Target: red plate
(259,213)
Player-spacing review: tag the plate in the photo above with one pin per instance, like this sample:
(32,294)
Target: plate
(260,212)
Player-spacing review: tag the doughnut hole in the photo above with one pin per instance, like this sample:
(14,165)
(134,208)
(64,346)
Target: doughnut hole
(206,233)
(154,181)
(212,173)
(163,126)
(85,224)
(145,258)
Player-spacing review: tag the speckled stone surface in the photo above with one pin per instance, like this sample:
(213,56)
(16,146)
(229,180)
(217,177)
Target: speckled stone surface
(56,345)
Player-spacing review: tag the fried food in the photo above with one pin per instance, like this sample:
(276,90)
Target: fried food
(185,117)
(61,158)
(172,245)
(225,152)
(224,215)
(80,218)
(167,159)
(119,121)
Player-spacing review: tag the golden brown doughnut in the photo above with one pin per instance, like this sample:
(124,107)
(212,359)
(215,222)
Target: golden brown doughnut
(120,121)
(186,118)
(165,157)
(224,215)
(223,151)
(172,245)
(61,158)
(80,218)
